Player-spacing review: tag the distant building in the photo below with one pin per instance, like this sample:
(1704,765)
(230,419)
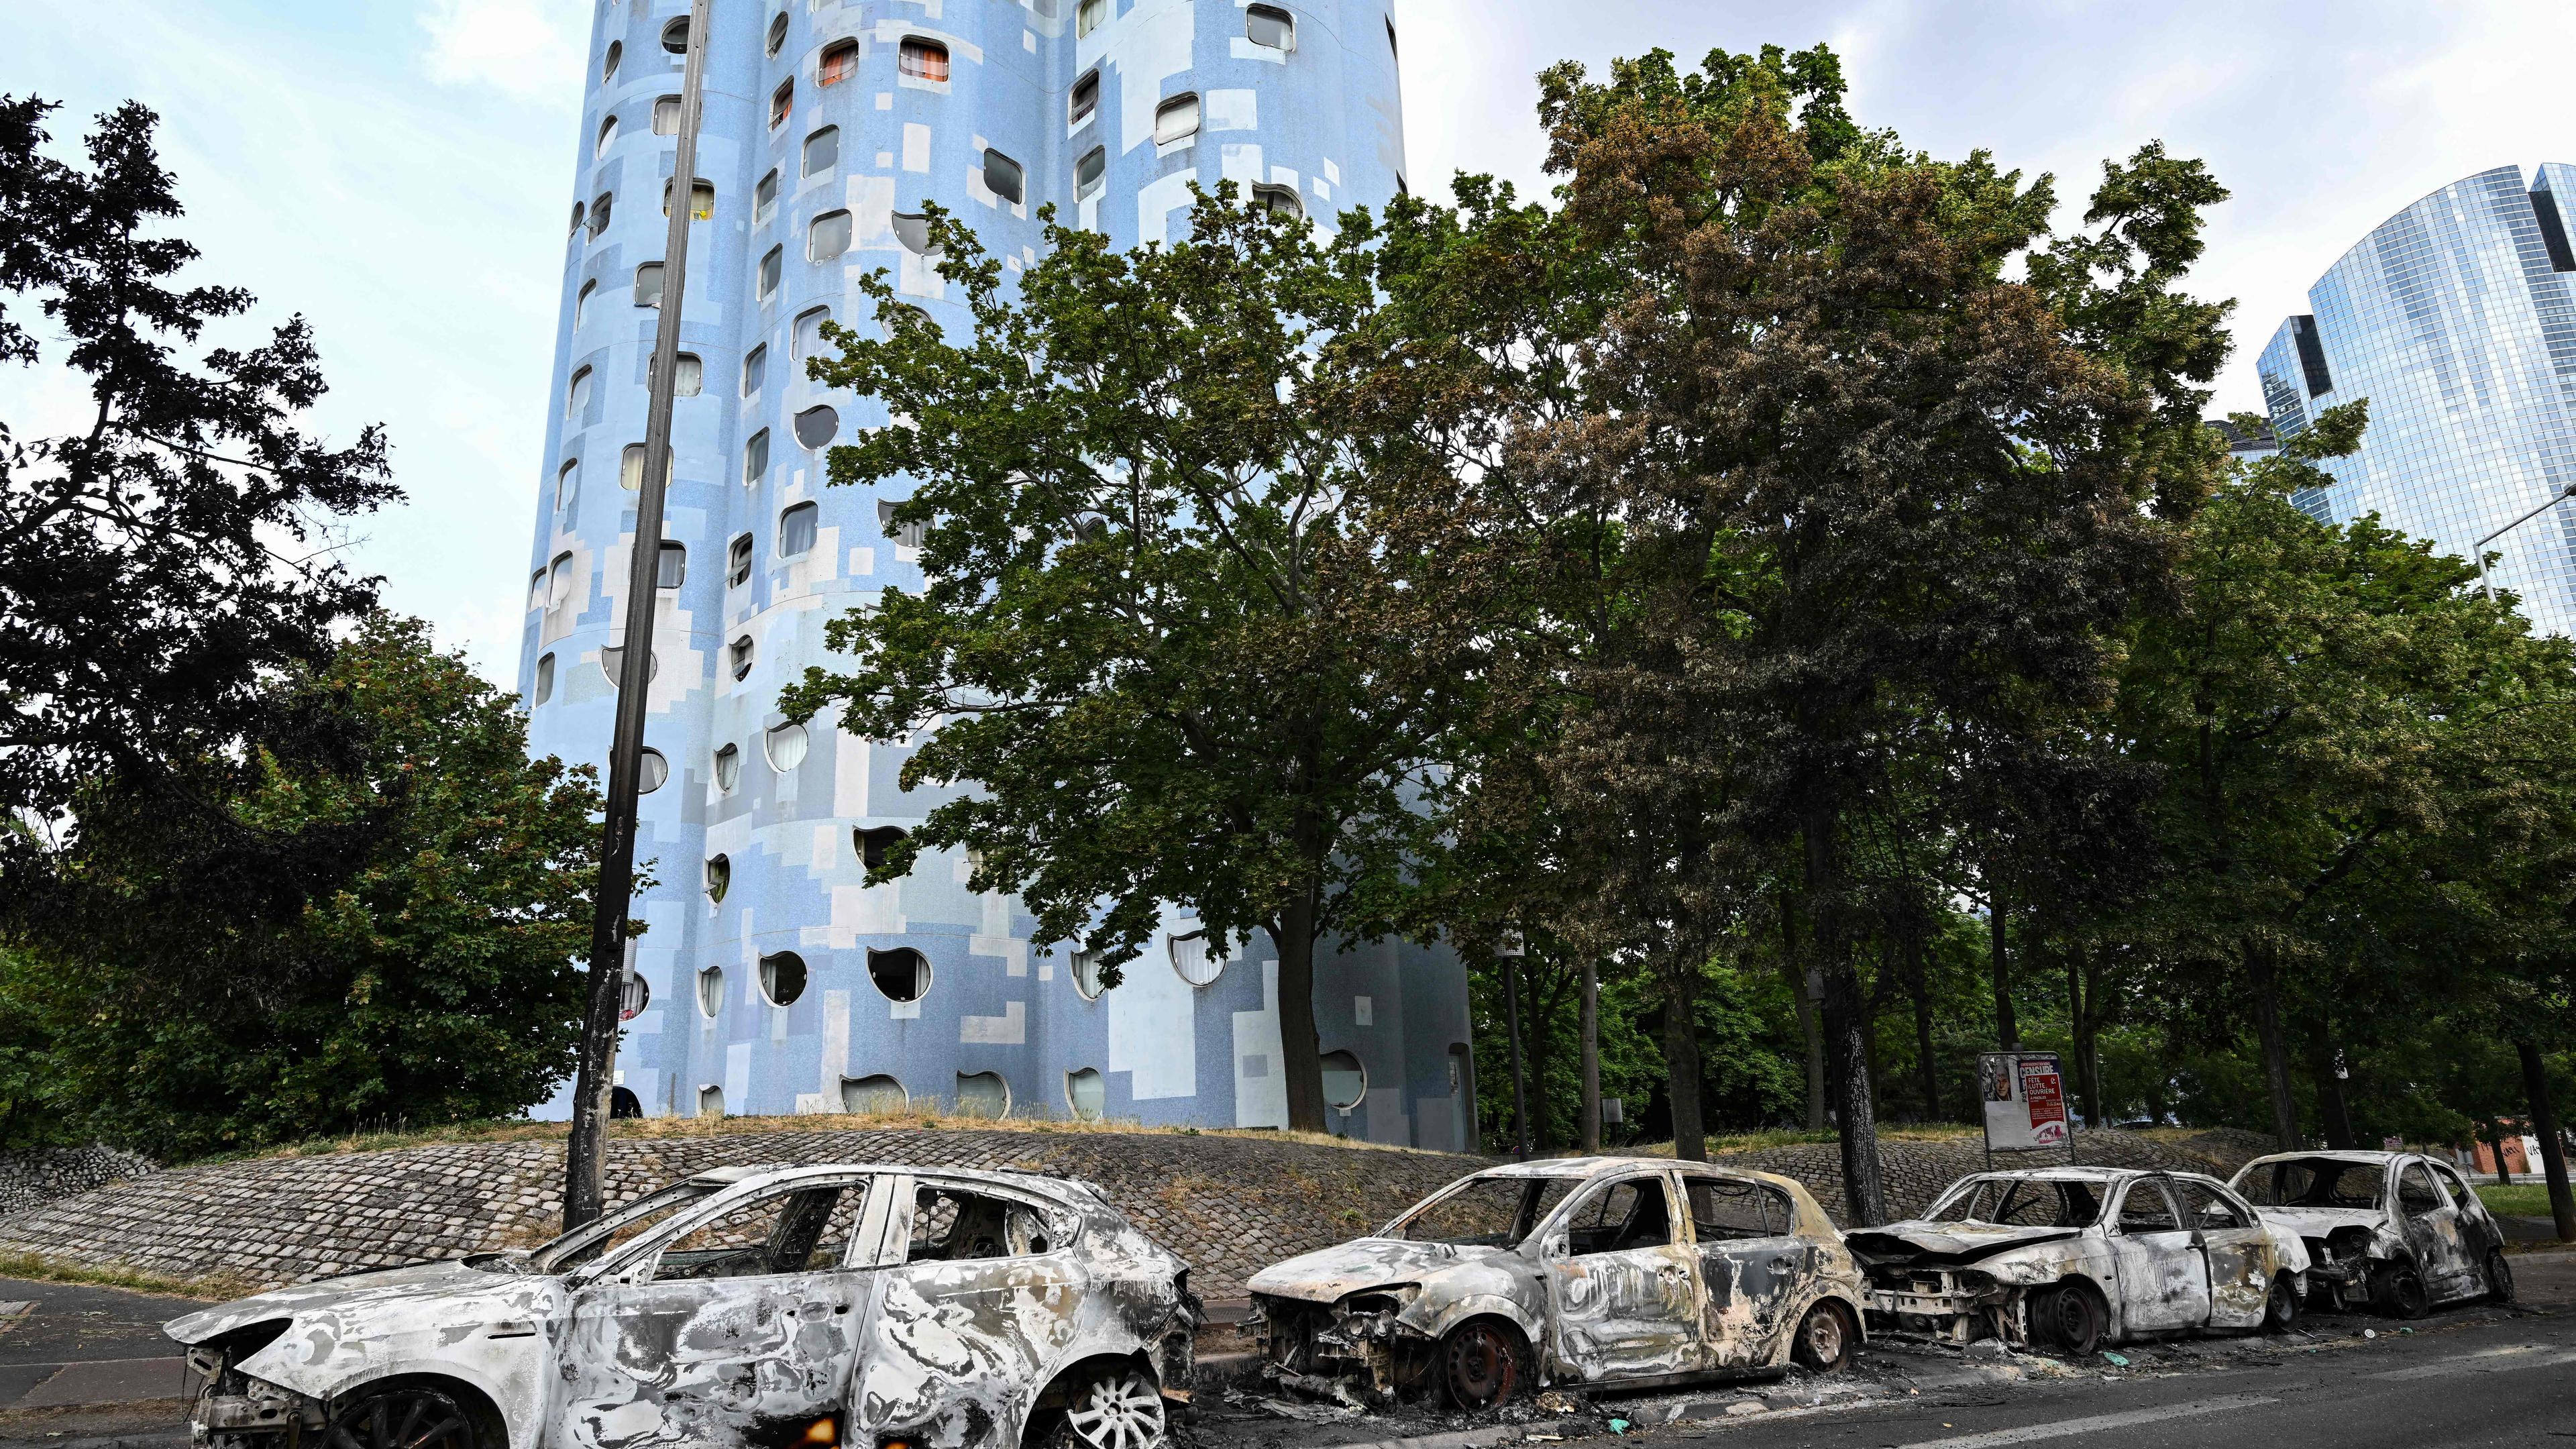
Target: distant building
(772,979)
(2456,318)
(2246,444)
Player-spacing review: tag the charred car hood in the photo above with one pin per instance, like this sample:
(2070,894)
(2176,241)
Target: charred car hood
(390,1285)
(1949,1242)
(1329,1274)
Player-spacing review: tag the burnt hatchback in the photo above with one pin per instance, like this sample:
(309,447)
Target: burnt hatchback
(1595,1271)
(2399,1231)
(764,1306)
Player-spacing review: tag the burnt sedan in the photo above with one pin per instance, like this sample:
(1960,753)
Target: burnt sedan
(1595,1270)
(2398,1231)
(2077,1257)
(764,1306)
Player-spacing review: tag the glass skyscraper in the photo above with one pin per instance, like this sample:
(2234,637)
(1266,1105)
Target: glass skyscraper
(2456,318)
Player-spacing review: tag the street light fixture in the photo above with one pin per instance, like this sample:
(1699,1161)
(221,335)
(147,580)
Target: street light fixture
(2481,547)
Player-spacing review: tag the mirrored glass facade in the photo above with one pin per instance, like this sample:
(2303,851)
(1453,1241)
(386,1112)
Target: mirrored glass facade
(2456,318)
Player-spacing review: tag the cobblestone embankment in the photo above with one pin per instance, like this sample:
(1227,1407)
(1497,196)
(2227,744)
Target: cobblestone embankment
(32,1179)
(1916,1172)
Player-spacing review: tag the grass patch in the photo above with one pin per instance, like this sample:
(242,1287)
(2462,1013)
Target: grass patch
(217,1289)
(2522,1200)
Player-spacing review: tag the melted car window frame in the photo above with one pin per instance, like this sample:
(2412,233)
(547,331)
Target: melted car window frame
(2009,1196)
(1533,1210)
(585,1244)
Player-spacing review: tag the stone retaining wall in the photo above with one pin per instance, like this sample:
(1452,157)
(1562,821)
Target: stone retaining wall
(1916,1172)
(32,1179)
(1230,1205)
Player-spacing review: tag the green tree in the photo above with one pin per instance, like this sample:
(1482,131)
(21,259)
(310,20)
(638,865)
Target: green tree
(420,968)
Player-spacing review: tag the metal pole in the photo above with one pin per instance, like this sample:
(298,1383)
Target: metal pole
(585,1155)
(2480,547)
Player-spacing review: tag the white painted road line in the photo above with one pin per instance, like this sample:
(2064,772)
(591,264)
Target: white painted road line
(2065,1427)
(2491,1361)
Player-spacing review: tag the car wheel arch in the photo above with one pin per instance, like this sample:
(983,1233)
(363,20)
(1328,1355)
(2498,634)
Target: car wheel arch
(1784,1343)
(1479,1305)
(492,1424)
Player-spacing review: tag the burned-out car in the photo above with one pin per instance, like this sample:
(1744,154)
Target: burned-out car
(2395,1230)
(2073,1258)
(762,1306)
(1594,1270)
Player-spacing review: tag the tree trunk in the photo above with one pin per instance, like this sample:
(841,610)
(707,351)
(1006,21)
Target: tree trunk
(1511,967)
(1543,1005)
(1588,1030)
(2090,1055)
(2080,1017)
(1301,1054)
(1681,1060)
(1803,990)
(1846,1017)
(2276,1050)
(2007,1029)
(2553,1148)
(1918,985)
(2495,1144)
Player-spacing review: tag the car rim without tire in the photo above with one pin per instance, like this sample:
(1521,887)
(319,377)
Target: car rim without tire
(2500,1277)
(2282,1309)
(1482,1368)
(403,1419)
(1824,1336)
(2071,1316)
(2406,1294)
(1118,1411)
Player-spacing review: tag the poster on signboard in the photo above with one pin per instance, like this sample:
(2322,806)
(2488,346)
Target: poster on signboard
(2025,1100)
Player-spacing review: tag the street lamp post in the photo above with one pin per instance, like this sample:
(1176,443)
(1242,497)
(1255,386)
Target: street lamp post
(2481,548)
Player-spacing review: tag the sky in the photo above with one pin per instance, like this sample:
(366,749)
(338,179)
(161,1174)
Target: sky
(398,171)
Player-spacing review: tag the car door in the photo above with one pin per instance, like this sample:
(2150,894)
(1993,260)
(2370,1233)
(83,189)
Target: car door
(2431,1223)
(1753,1270)
(1623,1288)
(738,1319)
(2164,1276)
(2236,1248)
(983,1296)
(2477,1226)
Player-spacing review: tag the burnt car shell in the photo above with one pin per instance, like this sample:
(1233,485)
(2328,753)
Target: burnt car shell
(748,1305)
(2364,1216)
(1687,1282)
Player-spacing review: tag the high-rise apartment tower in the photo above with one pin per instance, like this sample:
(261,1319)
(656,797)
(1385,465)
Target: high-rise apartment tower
(772,979)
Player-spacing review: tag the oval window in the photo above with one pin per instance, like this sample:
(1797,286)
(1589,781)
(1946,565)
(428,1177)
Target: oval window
(817,427)
(675,36)
(983,1094)
(777,34)
(711,1101)
(607,137)
(1087,1094)
(913,230)
(616,53)
(1176,120)
(728,767)
(903,974)
(1086,974)
(782,977)
(1087,173)
(719,878)
(786,745)
(1197,962)
(711,991)
(636,995)
(876,1096)
(1345,1081)
(654,773)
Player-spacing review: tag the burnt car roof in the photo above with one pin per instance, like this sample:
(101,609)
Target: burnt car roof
(1047,1184)
(2332,1154)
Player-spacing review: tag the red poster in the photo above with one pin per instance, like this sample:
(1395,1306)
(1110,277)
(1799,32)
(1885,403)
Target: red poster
(2044,1091)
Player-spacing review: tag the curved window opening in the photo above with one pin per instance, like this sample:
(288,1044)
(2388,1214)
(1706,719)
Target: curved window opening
(675,36)
(983,1094)
(577,213)
(711,992)
(764,199)
(777,34)
(738,561)
(688,378)
(806,337)
(828,237)
(1345,1081)
(1003,177)
(786,746)
(1278,201)
(728,767)
(797,530)
(782,103)
(1270,26)
(742,652)
(719,874)
(755,369)
(581,303)
(1088,15)
(607,138)
(1086,1093)
(702,200)
(1197,960)
(599,213)
(816,427)
(913,230)
(876,1096)
(567,484)
(782,978)
(672,568)
(905,535)
(755,457)
(822,150)
(1085,100)
(711,1101)
(608,65)
(655,771)
(545,689)
(876,845)
(559,582)
(1176,119)
(630,466)
(1086,974)
(537,590)
(612,659)
(840,61)
(577,396)
(903,974)
(648,285)
(633,997)
(666,116)
(1088,171)
(1390,36)
(770,266)
(923,60)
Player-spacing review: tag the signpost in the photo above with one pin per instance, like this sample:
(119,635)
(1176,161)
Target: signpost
(2024,1097)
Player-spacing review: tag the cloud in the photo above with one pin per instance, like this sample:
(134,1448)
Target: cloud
(529,49)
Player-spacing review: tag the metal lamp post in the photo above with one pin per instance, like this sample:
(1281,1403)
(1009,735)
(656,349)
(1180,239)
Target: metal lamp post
(2480,548)
(585,1154)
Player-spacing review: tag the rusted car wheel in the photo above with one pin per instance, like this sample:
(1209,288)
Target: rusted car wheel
(2399,1291)
(1480,1364)
(2281,1310)
(2499,1277)
(1116,1409)
(2070,1317)
(1826,1340)
(404,1417)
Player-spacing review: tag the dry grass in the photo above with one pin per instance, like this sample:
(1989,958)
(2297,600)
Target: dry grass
(217,1289)
(668,1128)
(1791,1137)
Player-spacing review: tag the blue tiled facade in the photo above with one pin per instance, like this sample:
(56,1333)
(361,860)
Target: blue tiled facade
(825,124)
(2456,318)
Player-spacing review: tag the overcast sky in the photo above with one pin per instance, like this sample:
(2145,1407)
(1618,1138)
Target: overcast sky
(399,170)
